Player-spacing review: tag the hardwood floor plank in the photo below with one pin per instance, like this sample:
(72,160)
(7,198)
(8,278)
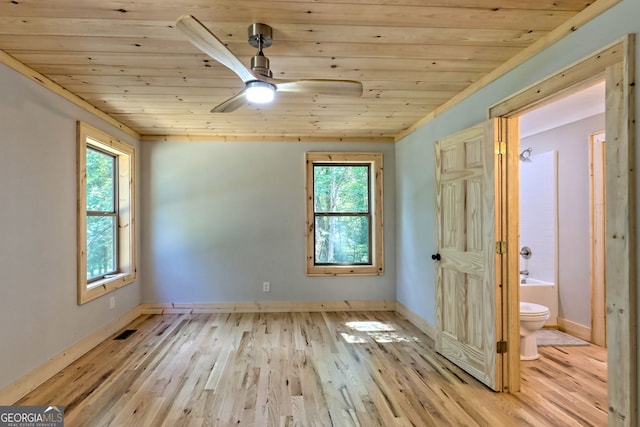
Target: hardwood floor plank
(310,369)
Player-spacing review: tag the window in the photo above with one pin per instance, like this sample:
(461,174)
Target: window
(102,214)
(106,251)
(344,213)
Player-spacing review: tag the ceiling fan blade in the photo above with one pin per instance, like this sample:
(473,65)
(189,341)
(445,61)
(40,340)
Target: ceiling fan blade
(231,104)
(320,86)
(207,42)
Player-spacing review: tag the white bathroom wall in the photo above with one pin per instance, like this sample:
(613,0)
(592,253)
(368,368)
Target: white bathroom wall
(571,143)
(538,215)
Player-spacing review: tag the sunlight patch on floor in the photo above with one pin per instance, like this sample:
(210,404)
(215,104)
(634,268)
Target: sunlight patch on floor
(378,331)
(370,326)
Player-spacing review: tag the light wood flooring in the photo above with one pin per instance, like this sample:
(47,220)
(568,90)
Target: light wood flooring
(310,369)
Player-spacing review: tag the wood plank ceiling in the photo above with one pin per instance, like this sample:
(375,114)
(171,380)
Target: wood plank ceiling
(126,58)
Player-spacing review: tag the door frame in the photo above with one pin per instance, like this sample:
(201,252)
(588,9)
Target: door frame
(597,276)
(616,64)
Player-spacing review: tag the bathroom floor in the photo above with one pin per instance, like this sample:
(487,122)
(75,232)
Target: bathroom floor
(575,378)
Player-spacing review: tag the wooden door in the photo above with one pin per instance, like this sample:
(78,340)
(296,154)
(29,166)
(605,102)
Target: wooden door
(468,292)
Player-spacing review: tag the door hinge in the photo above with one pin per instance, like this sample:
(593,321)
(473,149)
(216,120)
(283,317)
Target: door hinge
(501,347)
(501,247)
(501,147)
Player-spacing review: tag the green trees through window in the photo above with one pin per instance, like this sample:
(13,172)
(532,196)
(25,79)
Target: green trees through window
(342,213)
(101,214)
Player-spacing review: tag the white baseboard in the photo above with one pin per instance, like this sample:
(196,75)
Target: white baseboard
(575,329)
(268,307)
(14,392)
(417,321)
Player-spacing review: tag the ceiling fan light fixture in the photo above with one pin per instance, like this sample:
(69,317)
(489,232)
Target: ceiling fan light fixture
(260,92)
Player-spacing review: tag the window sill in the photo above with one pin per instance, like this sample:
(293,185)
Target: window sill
(104,286)
(348,270)
(107,279)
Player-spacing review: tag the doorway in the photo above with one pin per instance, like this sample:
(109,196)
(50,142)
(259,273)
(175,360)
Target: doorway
(562,211)
(616,65)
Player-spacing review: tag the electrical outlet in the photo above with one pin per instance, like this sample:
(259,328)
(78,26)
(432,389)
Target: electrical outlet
(112,303)
(266,287)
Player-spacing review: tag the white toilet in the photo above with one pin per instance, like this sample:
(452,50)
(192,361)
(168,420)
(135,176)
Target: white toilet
(532,318)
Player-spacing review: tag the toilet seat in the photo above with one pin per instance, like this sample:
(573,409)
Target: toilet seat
(529,309)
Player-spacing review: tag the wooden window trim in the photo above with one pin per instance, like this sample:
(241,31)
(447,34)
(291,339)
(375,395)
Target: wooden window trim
(377,245)
(125,158)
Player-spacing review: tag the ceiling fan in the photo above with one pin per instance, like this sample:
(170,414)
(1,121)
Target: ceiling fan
(260,86)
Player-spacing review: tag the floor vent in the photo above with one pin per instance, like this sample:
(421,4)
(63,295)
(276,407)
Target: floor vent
(125,334)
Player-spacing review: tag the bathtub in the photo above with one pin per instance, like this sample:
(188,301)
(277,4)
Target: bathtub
(541,292)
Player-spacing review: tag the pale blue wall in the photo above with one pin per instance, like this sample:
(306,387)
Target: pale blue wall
(221,218)
(414,153)
(39,316)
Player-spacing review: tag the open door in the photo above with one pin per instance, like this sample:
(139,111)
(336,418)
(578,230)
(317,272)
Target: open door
(469,231)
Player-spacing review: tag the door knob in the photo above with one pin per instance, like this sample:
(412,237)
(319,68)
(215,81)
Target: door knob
(435,257)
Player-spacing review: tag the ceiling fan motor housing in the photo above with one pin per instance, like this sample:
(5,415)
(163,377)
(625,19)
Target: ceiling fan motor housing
(260,64)
(260,35)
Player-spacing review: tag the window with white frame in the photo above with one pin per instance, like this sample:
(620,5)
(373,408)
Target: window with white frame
(106,228)
(344,213)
